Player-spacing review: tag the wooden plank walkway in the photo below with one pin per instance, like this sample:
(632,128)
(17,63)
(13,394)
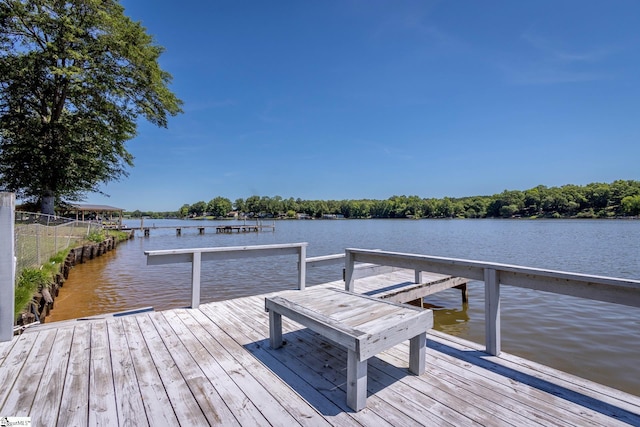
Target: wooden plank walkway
(214,366)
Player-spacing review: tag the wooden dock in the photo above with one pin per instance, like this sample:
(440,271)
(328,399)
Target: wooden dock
(250,228)
(214,366)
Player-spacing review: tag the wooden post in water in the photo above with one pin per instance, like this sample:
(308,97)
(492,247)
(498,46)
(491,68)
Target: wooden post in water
(7,265)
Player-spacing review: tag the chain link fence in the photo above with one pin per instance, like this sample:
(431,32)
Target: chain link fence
(39,237)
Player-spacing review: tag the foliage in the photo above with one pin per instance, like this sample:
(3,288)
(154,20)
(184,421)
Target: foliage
(120,236)
(596,200)
(198,208)
(31,280)
(158,215)
(631,205)
(97,236)
(28,283)
(75,75)
(219,207)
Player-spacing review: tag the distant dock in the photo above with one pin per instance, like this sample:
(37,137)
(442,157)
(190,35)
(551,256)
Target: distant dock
(224,229)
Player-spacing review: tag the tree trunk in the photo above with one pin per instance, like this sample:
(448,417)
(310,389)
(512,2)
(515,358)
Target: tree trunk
(47,205)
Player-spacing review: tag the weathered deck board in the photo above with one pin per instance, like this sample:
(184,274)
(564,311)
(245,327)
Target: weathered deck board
(214,366)
(102,399)
(74,408)
(19,402)
(155,396)
(48,397)
(130,409)
(209,350)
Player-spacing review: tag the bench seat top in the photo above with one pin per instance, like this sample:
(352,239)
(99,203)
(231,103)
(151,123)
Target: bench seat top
(363,324)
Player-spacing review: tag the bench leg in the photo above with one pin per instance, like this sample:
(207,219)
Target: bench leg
(356,382)
(275,329)
(417,351)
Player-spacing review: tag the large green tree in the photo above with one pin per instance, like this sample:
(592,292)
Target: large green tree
(219,206)
(75,76)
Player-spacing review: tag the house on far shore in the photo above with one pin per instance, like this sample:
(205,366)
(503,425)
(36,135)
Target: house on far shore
(332,216)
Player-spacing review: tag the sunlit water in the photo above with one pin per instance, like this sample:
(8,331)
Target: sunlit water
(591,339)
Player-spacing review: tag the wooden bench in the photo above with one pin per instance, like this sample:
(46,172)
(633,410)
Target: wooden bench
(364,325)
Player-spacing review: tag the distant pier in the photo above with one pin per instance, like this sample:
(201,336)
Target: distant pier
(224,229)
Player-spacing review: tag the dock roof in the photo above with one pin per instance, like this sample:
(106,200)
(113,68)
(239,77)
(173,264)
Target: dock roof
(96,208)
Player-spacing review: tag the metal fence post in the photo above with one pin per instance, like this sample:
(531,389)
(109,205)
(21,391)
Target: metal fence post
(38,244)
(7,265)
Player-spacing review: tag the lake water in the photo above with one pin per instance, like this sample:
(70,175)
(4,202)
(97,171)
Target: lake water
(594,340)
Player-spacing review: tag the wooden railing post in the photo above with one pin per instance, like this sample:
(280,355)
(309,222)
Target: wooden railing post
(492,311)
(349,283)
(302,266)
(7,265)
(196,264)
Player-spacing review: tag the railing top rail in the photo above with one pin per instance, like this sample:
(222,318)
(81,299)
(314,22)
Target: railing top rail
(225,249)
(602,288)
(196,256)
(336,257)
(481,265)
(323,260)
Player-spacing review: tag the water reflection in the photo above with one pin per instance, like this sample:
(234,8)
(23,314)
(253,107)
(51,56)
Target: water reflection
(453,321)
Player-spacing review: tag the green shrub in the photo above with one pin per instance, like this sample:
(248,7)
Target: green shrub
(120,236)
(97,236)
(29,281)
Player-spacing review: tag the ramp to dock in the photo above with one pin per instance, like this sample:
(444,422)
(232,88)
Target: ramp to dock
(214,365)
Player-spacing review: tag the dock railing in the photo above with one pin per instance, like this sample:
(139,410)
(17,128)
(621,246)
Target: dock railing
(365,262)
(197,256)
(599,288)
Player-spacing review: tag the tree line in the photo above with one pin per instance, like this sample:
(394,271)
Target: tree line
(596,200)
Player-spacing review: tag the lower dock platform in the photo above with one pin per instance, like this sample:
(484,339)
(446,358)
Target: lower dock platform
(214,366)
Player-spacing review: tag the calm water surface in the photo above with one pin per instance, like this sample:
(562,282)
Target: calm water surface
(591,339)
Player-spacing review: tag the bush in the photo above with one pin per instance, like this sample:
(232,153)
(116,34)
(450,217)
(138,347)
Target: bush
(30,280)
(96,236)
(120,236)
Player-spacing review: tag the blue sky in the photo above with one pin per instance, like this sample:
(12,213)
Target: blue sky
(369,99)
